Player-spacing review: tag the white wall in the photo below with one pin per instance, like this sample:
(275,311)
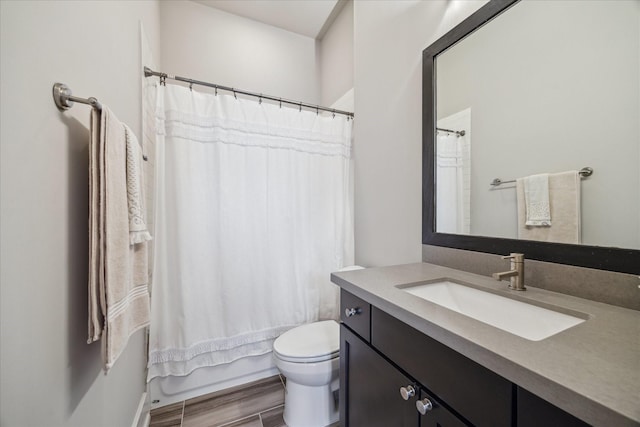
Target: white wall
(389,37)
(49,375)
(336,57)
(543,102)
(208,44)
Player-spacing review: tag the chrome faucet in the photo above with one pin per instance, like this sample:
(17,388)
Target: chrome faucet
(516,273)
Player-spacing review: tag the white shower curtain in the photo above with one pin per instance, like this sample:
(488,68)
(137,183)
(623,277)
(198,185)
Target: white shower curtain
(452,184)
(253,211)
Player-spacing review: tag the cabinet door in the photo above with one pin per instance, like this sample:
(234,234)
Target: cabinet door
(438,415)
(534,411)
(479,395)
(370,388)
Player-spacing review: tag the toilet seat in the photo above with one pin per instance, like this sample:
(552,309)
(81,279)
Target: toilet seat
(313,342)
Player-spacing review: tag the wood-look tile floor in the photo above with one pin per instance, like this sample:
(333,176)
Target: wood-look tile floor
(257,404)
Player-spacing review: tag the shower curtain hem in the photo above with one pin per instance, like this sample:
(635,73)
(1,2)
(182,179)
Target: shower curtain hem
(218,344)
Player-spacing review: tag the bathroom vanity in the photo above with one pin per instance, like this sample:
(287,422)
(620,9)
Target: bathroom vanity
(403,355)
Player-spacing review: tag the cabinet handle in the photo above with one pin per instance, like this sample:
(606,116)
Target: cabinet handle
(350,312)
(407,392)
(424,406)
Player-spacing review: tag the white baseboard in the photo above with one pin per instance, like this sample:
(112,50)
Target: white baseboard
(141,413)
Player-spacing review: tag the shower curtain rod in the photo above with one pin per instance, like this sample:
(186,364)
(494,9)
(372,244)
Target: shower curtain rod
(457,132)
(148,72)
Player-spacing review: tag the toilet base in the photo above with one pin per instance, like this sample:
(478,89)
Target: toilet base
(306,406)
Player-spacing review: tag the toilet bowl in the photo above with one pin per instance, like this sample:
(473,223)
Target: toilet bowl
(308,358)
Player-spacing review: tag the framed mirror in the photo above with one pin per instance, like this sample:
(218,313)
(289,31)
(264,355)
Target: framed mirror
(524,92)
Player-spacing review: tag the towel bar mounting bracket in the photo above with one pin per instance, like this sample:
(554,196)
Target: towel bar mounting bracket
(64,99)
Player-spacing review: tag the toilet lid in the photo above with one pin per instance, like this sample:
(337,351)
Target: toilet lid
(313,342)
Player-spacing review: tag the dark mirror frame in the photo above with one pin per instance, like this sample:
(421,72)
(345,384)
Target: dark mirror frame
(598,257)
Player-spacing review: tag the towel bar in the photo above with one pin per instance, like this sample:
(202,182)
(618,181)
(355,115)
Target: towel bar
(584,172)
(64,99)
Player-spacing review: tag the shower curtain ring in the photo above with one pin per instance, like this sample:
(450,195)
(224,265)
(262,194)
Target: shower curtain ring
(300,107)
(317,110)
(280,102)
(234,93)
(334,114)
(191,86)
(216,87)
(260,99)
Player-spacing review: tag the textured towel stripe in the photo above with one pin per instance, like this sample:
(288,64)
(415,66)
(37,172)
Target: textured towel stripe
(116,309)
(121,305)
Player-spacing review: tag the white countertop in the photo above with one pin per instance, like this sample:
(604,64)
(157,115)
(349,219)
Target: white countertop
(591,370)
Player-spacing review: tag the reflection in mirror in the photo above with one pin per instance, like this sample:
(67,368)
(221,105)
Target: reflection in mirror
(453,161)
(517,90)
(545,88)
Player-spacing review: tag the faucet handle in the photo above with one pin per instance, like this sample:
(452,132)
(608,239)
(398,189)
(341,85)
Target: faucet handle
(516,257)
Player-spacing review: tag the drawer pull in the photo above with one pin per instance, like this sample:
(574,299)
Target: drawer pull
(350,312)
(407,392)
(424,406)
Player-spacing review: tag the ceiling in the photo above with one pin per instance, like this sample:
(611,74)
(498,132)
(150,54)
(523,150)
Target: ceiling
(307,17)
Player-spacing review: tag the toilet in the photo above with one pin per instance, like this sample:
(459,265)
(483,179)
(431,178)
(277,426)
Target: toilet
(308,357)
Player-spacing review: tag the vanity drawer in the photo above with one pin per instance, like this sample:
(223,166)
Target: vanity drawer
(480,395)
(356,314)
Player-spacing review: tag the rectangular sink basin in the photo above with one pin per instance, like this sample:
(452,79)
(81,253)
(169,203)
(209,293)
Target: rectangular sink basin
(520,318)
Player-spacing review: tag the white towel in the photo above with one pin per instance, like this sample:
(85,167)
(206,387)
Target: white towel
(118,277)
(138,231)
(564,203)
(536,200)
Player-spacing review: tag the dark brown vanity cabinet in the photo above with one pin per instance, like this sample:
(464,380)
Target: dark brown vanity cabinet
(373,391)
(377,394)
(533,412)
(438,416)
(356,314)
(380,355)
(479,395)
(370,387)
